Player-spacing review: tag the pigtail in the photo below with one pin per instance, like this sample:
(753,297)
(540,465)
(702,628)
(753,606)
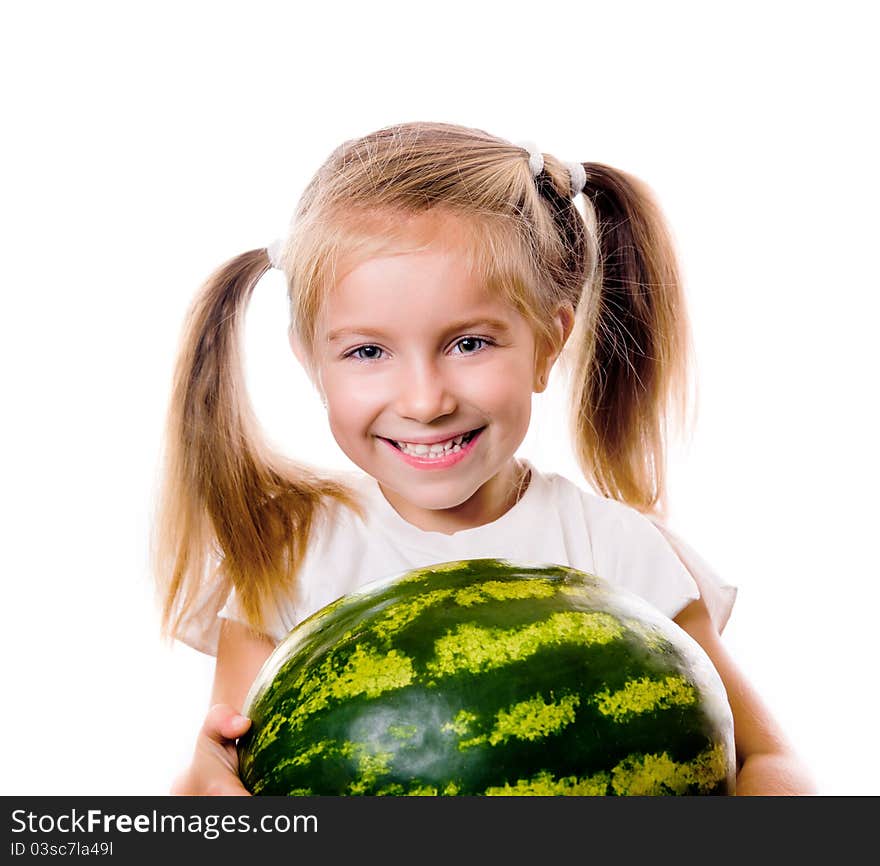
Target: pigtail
(633,350)
(230,513)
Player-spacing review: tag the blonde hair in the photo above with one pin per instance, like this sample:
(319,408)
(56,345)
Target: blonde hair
(226,499)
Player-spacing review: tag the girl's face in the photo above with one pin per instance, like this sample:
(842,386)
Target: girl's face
(411,352)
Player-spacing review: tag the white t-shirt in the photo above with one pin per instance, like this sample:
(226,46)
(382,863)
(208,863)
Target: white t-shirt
(554,522)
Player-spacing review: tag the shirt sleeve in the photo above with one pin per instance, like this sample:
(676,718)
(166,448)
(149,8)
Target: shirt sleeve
(273,625)
(629,551)
(200,627)
(232,609)
(285,607)
(646,557)
(718,594)
(201,630)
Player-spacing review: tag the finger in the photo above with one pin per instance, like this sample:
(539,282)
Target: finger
(224,723)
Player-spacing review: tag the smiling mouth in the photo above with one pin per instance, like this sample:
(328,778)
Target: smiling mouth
(448,446)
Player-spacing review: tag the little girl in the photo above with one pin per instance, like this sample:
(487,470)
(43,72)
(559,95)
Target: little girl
(435,274)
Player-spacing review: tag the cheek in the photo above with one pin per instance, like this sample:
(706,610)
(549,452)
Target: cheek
(505,385)
(356,398)
(352,405)
(510,397)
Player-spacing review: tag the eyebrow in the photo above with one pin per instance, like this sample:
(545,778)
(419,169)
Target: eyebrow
(467,324)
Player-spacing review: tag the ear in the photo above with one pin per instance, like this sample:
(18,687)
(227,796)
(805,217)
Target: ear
(546,355)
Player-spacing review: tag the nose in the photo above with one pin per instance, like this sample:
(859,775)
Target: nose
(424,393)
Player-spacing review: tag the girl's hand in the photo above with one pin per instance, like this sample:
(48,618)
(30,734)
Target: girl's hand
(214,767)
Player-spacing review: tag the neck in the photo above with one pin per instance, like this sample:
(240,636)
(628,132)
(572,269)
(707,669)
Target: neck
(490,502)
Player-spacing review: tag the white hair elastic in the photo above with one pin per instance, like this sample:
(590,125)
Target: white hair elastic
(274,251)
(576,171)
(536,158)
(578,175)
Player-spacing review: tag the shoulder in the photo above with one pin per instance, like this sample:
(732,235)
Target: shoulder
(637,551)
(626,548)
(551,488)
(602,513)
(605,518)
(335,523)
(333,512)
(336,531)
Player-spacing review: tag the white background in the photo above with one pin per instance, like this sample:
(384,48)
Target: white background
(145,144)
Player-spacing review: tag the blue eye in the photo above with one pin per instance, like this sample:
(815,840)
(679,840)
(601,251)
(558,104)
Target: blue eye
(354,353)
(464,340)
(368,353)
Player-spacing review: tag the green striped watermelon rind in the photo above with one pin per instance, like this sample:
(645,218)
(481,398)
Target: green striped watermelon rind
(342,629)
(368,597)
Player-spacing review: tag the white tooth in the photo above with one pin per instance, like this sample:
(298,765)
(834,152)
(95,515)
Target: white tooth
(451,446)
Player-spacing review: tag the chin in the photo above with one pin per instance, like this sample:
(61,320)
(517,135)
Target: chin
(440,504)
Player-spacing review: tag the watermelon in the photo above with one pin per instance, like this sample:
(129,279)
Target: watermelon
(488,677)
